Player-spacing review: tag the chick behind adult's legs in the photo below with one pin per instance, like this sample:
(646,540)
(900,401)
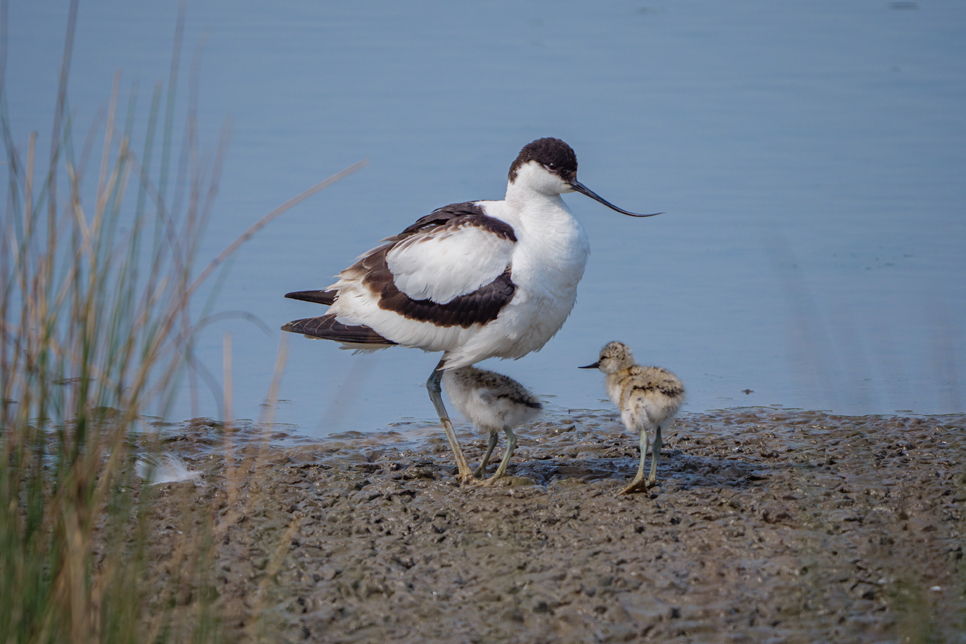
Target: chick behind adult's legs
(492,402)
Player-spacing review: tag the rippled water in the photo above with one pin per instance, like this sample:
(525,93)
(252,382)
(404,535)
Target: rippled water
(809,158)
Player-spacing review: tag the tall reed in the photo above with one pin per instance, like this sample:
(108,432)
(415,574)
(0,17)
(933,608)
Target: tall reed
(95,327)
(94,322)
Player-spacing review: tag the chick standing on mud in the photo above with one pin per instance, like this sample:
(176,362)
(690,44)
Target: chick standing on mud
(493,402)
(647,398)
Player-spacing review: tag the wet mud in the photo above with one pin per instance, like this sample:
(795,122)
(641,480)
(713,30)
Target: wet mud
(765,526)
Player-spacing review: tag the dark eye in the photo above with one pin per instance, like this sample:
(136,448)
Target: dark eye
(551,165)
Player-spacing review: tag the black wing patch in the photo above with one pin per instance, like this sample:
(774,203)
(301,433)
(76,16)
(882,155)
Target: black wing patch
(479,307)
(327,327)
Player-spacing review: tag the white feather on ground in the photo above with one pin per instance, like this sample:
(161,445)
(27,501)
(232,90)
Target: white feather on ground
(164,468)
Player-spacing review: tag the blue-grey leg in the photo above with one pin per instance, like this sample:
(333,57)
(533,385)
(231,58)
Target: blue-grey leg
(435,388)
(511,444)
(655,456)
(481,471)
(638,481)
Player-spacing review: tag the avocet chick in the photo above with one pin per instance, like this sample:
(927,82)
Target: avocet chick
(493,402)
(647,397)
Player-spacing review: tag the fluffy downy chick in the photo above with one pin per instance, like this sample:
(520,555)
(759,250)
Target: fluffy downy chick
(647,397)
(493,402)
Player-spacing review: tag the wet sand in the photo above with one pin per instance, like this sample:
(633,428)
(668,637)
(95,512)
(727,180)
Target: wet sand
(766,526)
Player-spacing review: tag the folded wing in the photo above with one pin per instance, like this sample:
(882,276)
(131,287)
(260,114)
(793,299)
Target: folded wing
(449,269)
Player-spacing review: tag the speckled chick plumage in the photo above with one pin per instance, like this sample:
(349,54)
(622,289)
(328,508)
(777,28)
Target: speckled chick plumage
(647,398)
(644,395)
(492,402)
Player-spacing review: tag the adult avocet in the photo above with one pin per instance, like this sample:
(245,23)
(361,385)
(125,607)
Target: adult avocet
(475,280)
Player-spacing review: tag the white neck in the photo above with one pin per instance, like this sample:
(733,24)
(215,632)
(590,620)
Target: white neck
(552,244)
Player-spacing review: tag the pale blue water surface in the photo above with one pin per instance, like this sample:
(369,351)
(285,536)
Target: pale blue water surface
(810,158)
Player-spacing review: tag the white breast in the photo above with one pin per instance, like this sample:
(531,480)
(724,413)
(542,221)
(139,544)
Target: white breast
(547,263)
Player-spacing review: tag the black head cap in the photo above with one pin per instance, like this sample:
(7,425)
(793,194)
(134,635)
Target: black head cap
(553,154)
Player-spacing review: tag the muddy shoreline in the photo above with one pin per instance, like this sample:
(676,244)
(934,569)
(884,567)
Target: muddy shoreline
(766,525)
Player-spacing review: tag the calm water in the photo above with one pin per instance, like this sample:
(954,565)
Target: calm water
(809,156)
